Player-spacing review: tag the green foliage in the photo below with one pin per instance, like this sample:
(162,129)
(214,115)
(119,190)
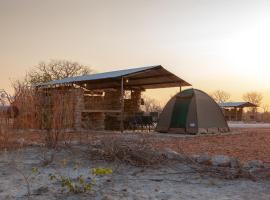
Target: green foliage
(101,171)
(35,170)
(81,183)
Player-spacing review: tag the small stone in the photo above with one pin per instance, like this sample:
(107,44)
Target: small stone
(41,190)
(221,161)
(204,159)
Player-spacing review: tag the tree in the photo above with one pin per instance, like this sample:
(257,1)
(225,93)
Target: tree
(253,97)
(265,115)
(5,98)
(220,96)
(151,105)
(54,70)
(265,108)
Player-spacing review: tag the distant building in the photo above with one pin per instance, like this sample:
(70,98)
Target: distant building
(234,111)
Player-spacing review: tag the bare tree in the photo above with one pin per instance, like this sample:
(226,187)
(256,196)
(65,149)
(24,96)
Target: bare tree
(2,98)
(265,114)
(5,98)
(54,70)
(265,108)
(253,97)
(220,96)
(151,105)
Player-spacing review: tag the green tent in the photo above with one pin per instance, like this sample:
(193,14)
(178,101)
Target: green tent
(190,112)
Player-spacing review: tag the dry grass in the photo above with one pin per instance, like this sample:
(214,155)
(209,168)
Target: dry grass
(7,142)
(247,145)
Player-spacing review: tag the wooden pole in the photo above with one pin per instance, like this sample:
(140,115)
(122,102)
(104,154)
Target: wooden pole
(122,106)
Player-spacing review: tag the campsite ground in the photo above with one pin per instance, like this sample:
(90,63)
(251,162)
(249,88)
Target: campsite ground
(170,180)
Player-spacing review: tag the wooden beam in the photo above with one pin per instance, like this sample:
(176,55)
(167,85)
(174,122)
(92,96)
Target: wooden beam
(153,76)
(101,111)
(122,106)
(156,83)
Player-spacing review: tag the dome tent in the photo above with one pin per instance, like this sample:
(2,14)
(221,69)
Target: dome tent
(192,111)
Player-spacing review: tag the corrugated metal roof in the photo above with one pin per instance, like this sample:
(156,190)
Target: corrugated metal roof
(143,77)
(105,75)
(237,104)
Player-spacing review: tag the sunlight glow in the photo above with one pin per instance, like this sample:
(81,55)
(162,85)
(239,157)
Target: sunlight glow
(247,52)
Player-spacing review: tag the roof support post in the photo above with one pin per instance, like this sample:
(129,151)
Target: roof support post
(122,106)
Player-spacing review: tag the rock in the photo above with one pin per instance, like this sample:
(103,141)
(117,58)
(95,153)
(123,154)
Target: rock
(266,165)
(194,157)
(35,144)
(253,164)
(221,161)
(204,159)
(41,190)
(172,155)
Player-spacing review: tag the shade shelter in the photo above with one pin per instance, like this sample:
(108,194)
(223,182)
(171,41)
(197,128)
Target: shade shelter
(233,111)
(190,112)
(102,98)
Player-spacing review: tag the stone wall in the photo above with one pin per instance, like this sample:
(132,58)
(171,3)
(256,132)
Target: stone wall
(109,102)
(78,108)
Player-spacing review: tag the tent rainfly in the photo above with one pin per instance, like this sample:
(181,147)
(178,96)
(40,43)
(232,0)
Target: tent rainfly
(190,112)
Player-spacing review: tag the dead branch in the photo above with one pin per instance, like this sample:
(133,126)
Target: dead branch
(136,152)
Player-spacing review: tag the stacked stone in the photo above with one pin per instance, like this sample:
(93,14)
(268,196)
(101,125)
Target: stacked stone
(132,105)
(78,108)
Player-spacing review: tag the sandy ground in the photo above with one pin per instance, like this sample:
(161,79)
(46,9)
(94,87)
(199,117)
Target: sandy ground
(171,181)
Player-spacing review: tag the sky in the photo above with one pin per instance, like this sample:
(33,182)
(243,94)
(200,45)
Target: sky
(213,44)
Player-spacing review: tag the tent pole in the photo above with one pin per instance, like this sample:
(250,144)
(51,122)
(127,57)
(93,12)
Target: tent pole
(180,88)
(122,106)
